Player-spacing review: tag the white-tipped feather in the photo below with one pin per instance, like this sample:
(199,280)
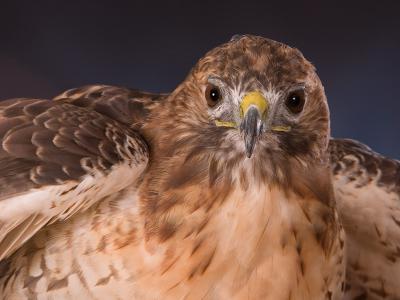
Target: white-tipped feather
(23,215)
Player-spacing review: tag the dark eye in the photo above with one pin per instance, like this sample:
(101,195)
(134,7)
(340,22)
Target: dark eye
(295,101)
(213,95)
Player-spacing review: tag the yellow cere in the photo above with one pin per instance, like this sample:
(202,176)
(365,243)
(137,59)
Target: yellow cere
(256,99)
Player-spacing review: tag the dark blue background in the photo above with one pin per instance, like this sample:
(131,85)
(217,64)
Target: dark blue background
(47,47)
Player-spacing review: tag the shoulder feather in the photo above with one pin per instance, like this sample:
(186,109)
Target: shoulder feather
(57,159)
(367,192)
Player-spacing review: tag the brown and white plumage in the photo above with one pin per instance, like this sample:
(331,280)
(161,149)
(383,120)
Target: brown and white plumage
(111,193)
(367,190)
(52,157)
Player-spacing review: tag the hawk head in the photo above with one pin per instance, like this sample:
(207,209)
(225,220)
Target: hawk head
(251,100)
(265,90)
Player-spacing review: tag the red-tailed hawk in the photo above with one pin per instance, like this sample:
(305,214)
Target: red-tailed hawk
(220,190)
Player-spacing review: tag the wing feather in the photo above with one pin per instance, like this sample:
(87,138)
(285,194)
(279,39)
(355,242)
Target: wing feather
(130,107)
(367,189)
(58,159)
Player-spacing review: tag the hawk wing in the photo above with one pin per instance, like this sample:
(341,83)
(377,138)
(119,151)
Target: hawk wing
(128,106)
(60,157)
(367,189)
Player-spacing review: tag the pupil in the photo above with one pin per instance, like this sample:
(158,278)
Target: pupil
(214,94)
(295,101)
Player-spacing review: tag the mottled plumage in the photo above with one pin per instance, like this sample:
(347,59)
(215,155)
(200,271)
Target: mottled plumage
(110,193)
(367,190)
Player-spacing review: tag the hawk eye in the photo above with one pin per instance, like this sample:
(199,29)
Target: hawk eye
(213,95)
(295,101)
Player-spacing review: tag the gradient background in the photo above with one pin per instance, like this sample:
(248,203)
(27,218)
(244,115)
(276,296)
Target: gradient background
(47,47)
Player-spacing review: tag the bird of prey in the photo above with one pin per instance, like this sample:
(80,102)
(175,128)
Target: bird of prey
(229,187)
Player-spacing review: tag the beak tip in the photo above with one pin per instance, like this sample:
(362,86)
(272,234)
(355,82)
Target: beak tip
(249,148)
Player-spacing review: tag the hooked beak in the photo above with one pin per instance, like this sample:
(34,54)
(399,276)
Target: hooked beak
(253,108)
